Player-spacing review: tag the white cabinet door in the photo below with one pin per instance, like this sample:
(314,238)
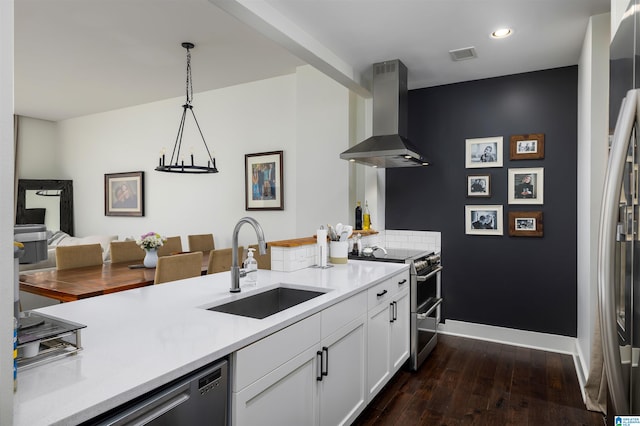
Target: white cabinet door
(378,343)
(286,396)
(400,330)
(342,392)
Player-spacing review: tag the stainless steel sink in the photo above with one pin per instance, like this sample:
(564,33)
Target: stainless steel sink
(262,305)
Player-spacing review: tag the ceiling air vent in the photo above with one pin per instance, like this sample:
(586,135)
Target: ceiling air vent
(464,53)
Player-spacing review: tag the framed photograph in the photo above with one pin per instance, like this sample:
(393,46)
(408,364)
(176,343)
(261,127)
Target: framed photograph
(483,152)
(526,224)
(527,147)
(483,220)
(263,181)
(124,194)
(479,186)
(526,186)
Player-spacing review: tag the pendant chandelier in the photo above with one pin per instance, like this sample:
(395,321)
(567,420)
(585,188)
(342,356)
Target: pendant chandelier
(176,163)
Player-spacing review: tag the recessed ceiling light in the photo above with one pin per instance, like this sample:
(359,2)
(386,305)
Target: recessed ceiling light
(502,33)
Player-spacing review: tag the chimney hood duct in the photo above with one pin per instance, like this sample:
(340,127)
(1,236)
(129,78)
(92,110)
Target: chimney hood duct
(388,147)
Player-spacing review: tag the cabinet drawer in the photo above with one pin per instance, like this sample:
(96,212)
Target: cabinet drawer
(342,313)
(401,281)
(381,292)
(265,355)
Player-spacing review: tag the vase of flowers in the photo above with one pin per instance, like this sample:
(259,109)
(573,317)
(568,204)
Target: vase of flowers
(150,242)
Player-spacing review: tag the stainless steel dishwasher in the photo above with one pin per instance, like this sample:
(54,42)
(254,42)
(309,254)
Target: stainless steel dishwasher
(198,398)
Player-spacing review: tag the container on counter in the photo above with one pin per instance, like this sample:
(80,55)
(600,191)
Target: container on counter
(366,217)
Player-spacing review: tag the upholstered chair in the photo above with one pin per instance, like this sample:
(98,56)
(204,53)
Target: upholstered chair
(220,260)
(201,242)
(126,251)
(178,267)
(78,256)
(172,245)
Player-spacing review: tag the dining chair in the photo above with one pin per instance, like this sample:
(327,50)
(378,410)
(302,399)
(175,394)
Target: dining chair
(220,260)
(172,245)
(201,242)
(77,256)
(178,267)
(264,260)
(125,251)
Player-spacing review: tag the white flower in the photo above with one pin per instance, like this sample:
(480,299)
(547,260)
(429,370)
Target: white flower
(150,240)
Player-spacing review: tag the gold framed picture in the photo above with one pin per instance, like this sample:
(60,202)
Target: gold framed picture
(526,224)
(527,147)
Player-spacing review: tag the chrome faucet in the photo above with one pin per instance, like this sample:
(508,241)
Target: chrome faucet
(262,249)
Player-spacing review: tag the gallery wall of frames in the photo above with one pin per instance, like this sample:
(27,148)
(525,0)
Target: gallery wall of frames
(501,188)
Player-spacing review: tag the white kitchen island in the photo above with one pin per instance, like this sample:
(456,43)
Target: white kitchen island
(138,340)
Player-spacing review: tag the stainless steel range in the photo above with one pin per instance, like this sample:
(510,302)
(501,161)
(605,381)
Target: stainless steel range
(425,273)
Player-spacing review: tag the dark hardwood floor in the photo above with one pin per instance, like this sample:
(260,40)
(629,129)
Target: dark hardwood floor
(473,382)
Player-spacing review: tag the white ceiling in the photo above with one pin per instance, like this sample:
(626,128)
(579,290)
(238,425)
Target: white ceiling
(78,57)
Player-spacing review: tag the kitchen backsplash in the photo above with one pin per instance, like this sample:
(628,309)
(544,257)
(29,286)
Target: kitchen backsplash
(294,258)
(419,240)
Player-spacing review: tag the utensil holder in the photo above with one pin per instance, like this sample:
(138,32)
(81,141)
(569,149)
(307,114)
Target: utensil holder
(338,251)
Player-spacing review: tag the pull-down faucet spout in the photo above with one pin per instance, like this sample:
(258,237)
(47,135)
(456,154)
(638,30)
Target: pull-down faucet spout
(262,249)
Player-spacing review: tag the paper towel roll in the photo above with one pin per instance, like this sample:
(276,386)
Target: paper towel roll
(321,247)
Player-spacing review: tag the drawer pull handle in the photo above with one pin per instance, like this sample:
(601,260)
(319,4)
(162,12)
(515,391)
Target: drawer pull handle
(402,282)
(382,293)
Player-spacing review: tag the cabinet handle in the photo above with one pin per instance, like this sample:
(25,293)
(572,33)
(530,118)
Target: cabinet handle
(382,293)
(391,319)
(319,366)
(325,372)
(395,310)
(402,282)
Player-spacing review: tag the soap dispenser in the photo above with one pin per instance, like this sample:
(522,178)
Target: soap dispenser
(251,268)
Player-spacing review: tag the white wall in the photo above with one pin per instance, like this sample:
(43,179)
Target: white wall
(322,178)
(306,115)
(6,212)
(37,152)
(593,113)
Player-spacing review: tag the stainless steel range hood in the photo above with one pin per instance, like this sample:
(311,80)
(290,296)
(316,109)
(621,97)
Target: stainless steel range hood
(388,147)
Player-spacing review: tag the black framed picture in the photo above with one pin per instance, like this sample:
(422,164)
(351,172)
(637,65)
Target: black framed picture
(264,181)
(479,186)
(124,194)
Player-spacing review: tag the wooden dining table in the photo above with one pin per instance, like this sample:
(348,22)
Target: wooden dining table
(79,283)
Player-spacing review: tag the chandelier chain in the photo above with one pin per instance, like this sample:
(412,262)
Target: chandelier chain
(189,84)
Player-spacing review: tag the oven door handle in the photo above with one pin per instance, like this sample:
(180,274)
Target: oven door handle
(429,311)
(429,275)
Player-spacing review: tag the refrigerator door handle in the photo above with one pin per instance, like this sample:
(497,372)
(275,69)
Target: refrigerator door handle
(606,250)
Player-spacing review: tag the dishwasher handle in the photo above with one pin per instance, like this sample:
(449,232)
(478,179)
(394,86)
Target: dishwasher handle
(150,409)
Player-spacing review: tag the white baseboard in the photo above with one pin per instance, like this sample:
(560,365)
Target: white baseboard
(510,336)
(527,339)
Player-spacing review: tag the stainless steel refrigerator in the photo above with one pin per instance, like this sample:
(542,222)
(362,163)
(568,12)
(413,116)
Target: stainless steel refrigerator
(619,239)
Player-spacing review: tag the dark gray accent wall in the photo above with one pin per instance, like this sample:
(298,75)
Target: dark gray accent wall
(515,282)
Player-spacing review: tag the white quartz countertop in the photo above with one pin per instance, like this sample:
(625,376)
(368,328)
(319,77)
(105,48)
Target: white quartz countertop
(139,339)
